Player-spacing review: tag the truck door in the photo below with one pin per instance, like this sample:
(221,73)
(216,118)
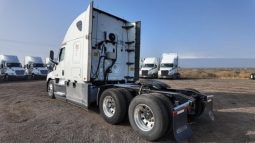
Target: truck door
(60,68)
(60,74)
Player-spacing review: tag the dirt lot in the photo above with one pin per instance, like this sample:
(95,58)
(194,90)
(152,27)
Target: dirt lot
(216,73)
(28,115)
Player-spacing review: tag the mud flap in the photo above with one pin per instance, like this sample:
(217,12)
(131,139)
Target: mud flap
(208,111)
(182,130)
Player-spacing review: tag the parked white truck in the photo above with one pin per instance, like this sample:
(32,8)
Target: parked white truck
(35,68)
(11,68)
(98,63)
(149,68)
(169,66)
(252,76)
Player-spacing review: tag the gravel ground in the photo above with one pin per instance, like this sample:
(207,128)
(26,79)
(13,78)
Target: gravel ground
(28,115)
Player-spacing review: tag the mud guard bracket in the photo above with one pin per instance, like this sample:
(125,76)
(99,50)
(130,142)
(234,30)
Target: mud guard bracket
(208,112)
(181,128)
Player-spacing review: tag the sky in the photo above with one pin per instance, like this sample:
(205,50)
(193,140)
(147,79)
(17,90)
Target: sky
(193,29)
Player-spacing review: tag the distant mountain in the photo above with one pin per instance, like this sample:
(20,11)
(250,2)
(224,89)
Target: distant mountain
(217,63)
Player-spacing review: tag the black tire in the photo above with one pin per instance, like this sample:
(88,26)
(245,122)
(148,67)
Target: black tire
(161,121)
(174,77)
(128,98)
(156,75)
(33,77)
(120,106)
(166,101)
(6,77)
(178,76)
(168,105)
(51,89)
(127,94)
(26,78)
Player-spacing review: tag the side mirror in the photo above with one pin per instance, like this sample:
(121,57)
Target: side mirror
(51,55)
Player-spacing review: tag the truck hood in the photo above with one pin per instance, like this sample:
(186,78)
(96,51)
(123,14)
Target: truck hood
(165,69)
(147,69)
(15,71)
(41,68)
(16,68)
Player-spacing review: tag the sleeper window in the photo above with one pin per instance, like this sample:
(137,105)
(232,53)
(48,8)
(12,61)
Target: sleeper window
(79,25)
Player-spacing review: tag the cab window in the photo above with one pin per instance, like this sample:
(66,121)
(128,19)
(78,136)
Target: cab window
(62,54)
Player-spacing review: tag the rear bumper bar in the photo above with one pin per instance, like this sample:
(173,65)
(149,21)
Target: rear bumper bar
(181,128)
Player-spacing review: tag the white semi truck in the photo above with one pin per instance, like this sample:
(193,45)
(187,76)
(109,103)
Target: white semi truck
(252,76)
(149,68)
(98,63)
(35,68)
(11,68)
(169,66)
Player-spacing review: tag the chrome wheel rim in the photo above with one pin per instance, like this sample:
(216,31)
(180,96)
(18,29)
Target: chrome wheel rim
(144,117)
(109,106)
(50,89)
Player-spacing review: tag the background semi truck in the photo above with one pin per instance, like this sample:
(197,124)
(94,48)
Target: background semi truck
(252,76)
(98,63)
(11,68)
(35,68)
(150,68)
(169,66)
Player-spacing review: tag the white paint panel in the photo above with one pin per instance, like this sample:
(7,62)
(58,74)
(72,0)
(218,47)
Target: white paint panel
(77,53)
(76,73)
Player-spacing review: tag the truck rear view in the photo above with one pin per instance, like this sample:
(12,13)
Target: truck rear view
(98,63)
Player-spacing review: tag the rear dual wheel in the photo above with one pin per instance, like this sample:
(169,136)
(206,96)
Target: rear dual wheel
(113,106)
(177,76)
(148,116)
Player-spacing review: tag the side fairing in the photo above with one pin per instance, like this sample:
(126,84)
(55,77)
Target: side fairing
(77,44)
